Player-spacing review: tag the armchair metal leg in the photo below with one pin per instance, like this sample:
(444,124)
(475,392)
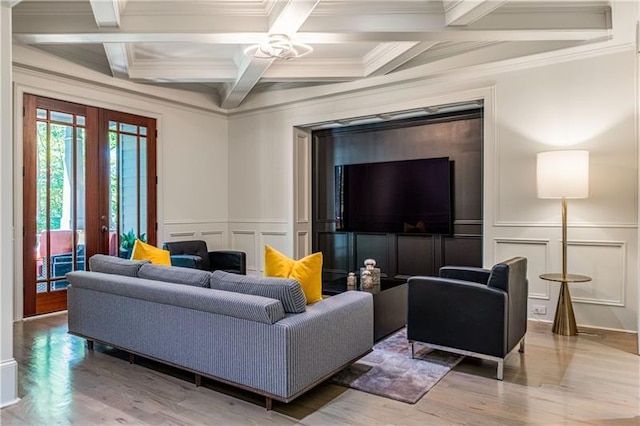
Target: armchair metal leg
(521,350)
(412,352)
(500,373)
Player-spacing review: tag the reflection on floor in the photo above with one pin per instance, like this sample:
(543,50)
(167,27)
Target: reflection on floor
(592,378)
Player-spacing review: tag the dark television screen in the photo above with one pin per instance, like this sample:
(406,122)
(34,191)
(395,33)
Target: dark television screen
(412,196)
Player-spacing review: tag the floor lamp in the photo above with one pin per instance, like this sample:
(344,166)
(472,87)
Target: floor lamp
(563,174)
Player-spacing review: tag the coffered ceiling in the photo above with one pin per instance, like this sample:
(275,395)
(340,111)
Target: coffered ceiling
(199,44)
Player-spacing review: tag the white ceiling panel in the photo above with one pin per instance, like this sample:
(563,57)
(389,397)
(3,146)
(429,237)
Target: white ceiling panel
(198,45)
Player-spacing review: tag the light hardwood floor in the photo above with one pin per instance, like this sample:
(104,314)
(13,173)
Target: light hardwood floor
(590,379)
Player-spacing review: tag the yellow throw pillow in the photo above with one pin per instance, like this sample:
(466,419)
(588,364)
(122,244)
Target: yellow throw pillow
(308,271)
(143,251)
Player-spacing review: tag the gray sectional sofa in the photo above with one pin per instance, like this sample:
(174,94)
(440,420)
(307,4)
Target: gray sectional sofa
(251,332)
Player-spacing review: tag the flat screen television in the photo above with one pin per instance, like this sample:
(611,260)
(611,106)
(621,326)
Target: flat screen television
(412,196)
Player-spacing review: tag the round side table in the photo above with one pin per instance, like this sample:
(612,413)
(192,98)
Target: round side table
(565,321)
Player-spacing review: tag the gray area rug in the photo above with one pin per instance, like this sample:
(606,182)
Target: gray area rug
(390,371)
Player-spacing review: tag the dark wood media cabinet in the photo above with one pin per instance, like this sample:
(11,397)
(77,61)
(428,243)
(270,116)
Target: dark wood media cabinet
(458,136)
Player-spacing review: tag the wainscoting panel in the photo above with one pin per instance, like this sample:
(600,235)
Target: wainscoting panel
(181,235)
(461,250)
(537,253)
(605,263)
(275,239)
(302,190)
(336,257)
(303,247)
(246,241)
(409,263)
(374,246)
(215,239)
(214,233)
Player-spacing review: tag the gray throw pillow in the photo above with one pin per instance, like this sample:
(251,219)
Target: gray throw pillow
(174,274)
(115,265)
(287,291)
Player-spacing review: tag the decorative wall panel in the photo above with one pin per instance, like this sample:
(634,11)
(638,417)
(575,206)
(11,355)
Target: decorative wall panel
(537,253)
(275,239)
(246,241)
(604,262)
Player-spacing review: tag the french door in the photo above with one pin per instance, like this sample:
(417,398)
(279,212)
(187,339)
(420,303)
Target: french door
(89,187)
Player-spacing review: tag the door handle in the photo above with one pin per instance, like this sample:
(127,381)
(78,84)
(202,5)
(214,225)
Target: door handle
(104,229)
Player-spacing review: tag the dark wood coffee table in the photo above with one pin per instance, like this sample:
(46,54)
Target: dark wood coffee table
(389,303)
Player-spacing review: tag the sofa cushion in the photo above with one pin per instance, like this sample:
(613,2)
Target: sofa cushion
(115,265)
(142,251)
(308,271)
(175,274)
(287,291)
(242,306)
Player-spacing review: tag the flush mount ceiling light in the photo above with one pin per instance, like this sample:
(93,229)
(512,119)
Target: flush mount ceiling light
(278,46)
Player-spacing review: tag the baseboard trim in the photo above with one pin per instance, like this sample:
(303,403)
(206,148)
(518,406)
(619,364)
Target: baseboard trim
(9,383)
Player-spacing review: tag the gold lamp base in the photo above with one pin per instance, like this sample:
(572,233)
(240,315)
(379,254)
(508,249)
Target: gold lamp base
(564,322)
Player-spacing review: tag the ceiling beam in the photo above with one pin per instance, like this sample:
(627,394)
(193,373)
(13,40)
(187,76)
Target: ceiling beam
(106,13)
(286,18)
(465,12)
(317,37)
(119,58)
(149,26)
(382,67)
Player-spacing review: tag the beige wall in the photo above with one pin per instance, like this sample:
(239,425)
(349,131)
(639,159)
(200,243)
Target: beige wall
(588,102)
(192,147)
(231,179)
(8,366)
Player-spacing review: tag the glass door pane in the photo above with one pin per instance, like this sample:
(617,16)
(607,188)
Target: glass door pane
(128,186)
(56,245)
(89,187)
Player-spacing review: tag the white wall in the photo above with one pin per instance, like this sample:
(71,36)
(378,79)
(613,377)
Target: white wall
(588,102)
(192,146)
(579,97)
(8,366)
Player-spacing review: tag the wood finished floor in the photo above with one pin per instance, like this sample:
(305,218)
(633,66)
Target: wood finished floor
(590,379)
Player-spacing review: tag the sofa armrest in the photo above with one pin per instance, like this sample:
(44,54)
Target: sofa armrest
(465,273)
(327,336)
(458,314)
(186,261)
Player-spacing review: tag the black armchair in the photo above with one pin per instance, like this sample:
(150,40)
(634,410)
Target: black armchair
(471,311)
(194,254)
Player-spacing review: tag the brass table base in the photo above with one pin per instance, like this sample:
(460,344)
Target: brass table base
(564,322)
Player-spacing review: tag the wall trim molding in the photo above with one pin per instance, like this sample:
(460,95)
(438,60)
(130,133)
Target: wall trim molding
(261,221)
(193,221)
(467,222)
(537,241)
(421,75)
(182,234)
(623,284)
(9,383)
(592,225)
(26,61)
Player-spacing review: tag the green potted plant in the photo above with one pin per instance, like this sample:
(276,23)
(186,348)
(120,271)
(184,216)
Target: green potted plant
(127,241)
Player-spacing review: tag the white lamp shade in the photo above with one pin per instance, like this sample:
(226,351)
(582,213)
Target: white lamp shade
(563,174)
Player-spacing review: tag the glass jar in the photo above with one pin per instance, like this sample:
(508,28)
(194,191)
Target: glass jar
(351,281)
(367,280)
